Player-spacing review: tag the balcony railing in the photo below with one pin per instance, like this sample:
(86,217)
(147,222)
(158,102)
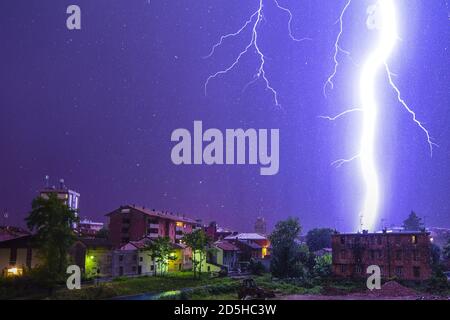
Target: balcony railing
(153,235)
(153,225)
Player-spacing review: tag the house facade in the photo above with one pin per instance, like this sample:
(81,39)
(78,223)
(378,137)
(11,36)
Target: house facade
(404,255)
(132,223)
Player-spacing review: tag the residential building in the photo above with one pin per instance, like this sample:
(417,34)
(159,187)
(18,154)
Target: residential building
(404,255)
(18,255)
(70,197)
(88,228)
(180,257)
(124,262)
(226,255)
(94,256)
(216,232)
(132,223)
(252,245)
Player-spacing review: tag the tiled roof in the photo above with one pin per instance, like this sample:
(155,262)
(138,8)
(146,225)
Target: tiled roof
(227,246)
(95,242)
(246,236)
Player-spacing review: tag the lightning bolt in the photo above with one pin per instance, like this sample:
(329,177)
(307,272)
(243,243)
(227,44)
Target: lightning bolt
(253,22)
(384,14)
(337,49)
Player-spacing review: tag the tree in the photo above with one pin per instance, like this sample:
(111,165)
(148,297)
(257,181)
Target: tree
(446,250)
(199,242)
(413,222)
(286,251)
(319,238)
(52,220)
(160,250)
(435,255)
(322,267)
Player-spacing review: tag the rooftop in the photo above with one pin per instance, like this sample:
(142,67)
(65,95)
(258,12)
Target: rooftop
(156,213)
(246,236)
(226,246)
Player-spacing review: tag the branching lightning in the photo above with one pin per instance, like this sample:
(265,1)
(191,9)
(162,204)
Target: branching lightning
(409,110)
(254,20)
(382,16)
(337,49)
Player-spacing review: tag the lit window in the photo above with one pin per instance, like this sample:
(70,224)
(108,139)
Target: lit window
(179,224)
(414,239)
(14,271)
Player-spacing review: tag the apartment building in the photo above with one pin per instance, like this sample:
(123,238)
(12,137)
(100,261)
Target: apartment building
(132,223)
(404,255)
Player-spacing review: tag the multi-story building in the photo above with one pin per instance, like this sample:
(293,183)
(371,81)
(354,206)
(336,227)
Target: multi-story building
(87,227)
(404,255)
(251,245)
(70,197)
(132,223)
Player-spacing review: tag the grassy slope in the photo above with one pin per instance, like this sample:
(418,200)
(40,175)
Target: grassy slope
(134,286)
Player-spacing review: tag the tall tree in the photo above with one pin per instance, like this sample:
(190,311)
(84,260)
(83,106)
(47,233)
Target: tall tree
(413,222)
(286,251)
(52,220)
(160,250)
(199,243)
(319,238)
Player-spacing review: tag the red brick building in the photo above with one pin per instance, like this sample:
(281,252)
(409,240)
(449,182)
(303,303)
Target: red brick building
(132,223)
(404,255)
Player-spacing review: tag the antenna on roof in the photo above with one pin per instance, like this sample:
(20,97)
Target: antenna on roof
(47,181)
(61,184)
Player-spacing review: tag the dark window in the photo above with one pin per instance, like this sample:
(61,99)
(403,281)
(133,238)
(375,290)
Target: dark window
(343,254)
(378,240)
(343,268)
(379,254)
(358,269)
(152,267)
(342,240)
(126,220)
(372,254)
(120,258)
(416,271)
(125,240)
(120,271)
(133,268)
(399,271)
(398,255)
(141,259)
(125,230)
(134,257)
(415,255)
(397,239)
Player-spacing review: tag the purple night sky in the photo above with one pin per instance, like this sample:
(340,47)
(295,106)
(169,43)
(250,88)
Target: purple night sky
(97,107)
